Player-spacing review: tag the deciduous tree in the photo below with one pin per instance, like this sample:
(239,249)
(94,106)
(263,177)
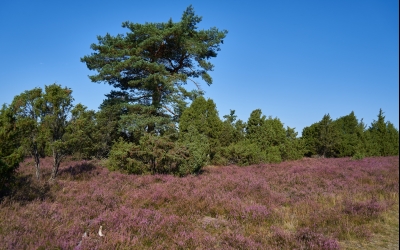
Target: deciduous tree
(10,148)
(29,113)
(57,108)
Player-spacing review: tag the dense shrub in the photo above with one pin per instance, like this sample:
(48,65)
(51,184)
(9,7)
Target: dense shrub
(121,158)
(358,156)
(244,153)
(161,154)
(292,150)
(198,148)
(11,153)
(273,155)
(203,115)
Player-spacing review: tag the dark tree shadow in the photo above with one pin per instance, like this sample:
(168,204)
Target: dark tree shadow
(26,189)
(82,171)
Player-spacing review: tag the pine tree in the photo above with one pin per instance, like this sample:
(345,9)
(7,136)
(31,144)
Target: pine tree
(151,63)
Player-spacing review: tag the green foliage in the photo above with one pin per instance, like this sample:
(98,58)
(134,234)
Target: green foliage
(203,115)
(329,137)
(265,132)
(293,148)
(10,149)
(358,156)
(254,130)
(229,132)
(107,127)
(154,154)
(152,61)
(382,138)
(310,137)
(57,107)
(121,157)
(80,130)
(346,137)
(160,154)
(149,67)
(351,136)
(274,132)
(273,155)
(139,119)
(244,153)
(273,139)
(240,128)
(198,148)
(29,112)
(322,138)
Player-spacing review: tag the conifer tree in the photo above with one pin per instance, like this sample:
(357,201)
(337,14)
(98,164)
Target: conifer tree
(310,136)
(229,134)
(254,125)
(382,137)
(351,135)
(151,63)
(328,137)
(203,116)
(321,138)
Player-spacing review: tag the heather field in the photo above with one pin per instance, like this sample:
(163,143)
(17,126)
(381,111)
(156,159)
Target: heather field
(306,204)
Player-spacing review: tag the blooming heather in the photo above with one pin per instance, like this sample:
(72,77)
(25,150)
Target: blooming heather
(304,204)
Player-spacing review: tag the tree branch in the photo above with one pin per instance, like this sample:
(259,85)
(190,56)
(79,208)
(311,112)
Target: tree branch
(195,83)
(165,107)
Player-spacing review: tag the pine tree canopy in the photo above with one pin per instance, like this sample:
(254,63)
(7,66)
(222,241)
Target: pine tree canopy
(152,61)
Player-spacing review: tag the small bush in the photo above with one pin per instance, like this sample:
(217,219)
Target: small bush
(358,156)
(121,158)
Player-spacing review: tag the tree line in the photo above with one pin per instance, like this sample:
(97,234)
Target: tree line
(152,124)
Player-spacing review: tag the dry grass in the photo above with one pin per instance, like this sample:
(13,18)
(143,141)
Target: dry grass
(386,236)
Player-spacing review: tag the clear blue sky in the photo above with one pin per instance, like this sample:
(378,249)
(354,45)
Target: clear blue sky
(295,60)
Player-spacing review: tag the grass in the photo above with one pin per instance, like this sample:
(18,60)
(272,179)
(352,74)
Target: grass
(305,204)
(386,236)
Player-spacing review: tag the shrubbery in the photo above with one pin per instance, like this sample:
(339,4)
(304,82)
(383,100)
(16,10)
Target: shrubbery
(198,148)
(121,158)
(11,153)
(161,154)
(244,153)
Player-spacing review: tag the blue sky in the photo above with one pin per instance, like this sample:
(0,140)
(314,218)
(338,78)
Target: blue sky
(295,60)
